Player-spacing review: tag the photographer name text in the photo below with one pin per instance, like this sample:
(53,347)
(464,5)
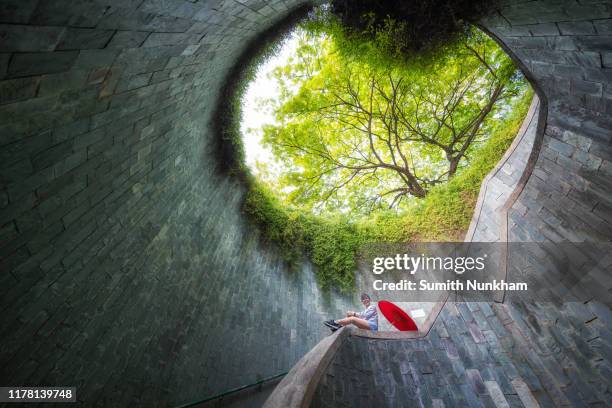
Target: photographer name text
(449,285)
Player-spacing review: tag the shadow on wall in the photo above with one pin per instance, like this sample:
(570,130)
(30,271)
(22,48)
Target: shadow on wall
(127,266)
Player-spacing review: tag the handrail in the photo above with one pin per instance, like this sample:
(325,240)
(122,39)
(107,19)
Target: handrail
(297,389)
(230,391)
(537,112)
(534,107)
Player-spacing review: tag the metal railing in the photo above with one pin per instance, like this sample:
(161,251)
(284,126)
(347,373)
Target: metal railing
(231,391)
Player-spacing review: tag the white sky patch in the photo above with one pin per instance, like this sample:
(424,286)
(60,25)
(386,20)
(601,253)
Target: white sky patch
(254,113)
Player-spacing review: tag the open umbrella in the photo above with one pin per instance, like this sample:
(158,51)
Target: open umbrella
(396,316)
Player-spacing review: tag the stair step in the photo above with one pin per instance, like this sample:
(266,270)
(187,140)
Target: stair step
(496,393)
(525,394)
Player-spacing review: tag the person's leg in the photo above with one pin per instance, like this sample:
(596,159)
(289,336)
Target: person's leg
(361,323)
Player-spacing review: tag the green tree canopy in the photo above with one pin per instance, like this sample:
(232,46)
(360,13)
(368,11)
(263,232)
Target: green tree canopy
(355,135)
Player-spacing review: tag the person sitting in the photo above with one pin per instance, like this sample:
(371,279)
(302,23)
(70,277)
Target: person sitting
(368,319)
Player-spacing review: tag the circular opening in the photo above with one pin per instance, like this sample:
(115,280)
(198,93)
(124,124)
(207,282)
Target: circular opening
(349,139)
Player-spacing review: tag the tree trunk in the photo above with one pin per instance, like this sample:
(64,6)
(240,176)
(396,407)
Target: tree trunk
(453,163)
(418,191)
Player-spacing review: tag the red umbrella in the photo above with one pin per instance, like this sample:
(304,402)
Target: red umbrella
(396,316)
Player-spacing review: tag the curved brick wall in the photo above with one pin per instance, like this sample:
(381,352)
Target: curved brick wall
(126,266)
(566,46)
(480,355)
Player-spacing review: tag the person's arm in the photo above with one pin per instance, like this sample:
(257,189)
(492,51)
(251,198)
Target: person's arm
(368,312)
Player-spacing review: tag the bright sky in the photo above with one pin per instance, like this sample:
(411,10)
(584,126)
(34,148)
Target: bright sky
(255,115)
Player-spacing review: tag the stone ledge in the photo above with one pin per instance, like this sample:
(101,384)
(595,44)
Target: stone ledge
(298,386)
(482,203)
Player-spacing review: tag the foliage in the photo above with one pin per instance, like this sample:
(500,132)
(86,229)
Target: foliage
(333,244)
(330,243)
(228,112)
(404,29)
(446,213)
(360,136)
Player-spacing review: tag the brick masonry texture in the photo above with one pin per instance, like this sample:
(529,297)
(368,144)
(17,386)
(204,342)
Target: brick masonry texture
(127,269)
(481,355)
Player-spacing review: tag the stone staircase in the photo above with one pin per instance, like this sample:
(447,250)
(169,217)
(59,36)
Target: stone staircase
(480,355)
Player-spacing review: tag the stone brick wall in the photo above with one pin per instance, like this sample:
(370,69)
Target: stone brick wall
(127,268)
(518,354)
(566,46)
